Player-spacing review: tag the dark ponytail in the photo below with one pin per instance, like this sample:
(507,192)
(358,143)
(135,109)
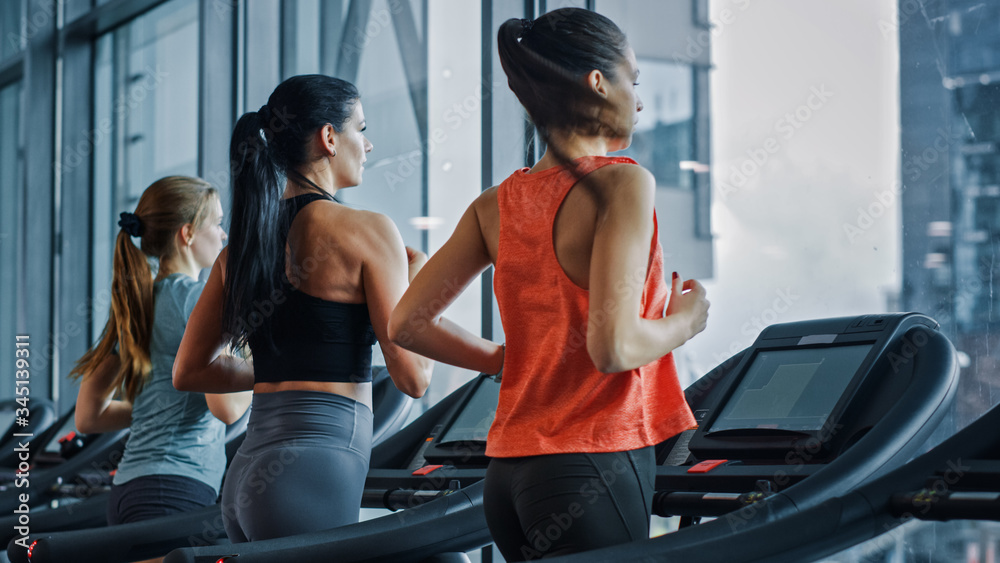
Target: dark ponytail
(254,226)
(267,146)
(547,60)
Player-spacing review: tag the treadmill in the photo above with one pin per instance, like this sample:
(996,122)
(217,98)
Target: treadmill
(812,408)
(60,458)
(77,530)
(959,479)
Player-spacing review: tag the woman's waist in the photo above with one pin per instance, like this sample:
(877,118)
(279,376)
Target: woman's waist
(298,417)
(167,449)
(329,363)
(358,392)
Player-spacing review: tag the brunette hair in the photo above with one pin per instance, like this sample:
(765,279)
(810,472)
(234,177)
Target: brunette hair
(547,59)
(266,146)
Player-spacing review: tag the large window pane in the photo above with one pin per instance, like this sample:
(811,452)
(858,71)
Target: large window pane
(160,55)
(422,97)
(105,228)
(367,52)
(663,140)
(11,33)
(394,179)
(146,111)
(672,136)
(11,212)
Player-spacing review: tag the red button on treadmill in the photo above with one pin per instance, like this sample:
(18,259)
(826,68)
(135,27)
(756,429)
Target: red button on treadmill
(427,469)
(707,465)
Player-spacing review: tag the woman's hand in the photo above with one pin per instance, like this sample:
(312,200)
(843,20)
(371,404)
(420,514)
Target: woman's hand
(687,299)
(415,261)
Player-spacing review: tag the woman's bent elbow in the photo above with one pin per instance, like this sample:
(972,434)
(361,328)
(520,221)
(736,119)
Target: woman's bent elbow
(83,425)
(608,366)
(181,379)
(605,359)
(415,389)
(397,332)
(415,386)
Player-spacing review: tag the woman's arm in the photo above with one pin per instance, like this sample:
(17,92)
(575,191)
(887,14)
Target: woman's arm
(623,340)
(200,364)
(385,273)
(96,411)
(416,323)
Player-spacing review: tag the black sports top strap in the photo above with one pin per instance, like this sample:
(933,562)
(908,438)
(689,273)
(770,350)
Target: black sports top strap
(314,339)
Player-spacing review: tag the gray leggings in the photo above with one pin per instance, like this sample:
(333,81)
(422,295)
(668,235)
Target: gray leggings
(302,467)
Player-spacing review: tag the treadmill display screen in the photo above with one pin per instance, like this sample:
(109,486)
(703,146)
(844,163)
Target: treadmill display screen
(474,421)
(793,389)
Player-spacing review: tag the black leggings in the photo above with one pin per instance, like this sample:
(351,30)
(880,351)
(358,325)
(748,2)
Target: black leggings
(153,496)
(301,468)
(558,504)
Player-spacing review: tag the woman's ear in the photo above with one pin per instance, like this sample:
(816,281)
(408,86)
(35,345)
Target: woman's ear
(598,83)
(185,234)
(328,140)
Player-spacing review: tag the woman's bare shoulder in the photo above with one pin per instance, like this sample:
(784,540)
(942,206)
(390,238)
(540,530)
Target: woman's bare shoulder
(325,219)
(614,181)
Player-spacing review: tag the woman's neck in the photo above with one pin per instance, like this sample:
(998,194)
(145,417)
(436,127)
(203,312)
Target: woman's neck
(177,264)
(301,182)
(563,147)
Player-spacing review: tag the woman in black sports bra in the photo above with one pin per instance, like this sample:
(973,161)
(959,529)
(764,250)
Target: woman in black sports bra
(309,285)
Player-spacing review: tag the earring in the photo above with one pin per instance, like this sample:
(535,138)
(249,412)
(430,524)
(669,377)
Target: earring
(334,152)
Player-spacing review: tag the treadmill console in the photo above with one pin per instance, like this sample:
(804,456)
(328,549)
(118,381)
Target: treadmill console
(462,439)
(805,386)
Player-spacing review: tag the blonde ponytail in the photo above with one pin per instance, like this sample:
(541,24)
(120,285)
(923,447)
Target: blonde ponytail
(164,207)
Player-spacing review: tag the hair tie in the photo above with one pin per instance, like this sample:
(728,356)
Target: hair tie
(526,26)
(131,224)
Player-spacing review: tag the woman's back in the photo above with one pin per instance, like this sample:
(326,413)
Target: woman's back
(309,284)
(553,399)
(172,432)
(320,329)
(588,382)
(576,220)
(326,249)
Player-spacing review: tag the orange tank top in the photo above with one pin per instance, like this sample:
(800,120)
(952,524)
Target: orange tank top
(552,397)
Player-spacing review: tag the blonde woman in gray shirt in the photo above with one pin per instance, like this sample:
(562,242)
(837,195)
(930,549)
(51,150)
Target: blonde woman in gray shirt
(175,455)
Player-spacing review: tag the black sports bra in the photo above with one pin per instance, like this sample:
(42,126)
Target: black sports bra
(314,339)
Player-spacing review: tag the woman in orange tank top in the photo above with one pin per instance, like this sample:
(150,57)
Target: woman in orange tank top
(589,383)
